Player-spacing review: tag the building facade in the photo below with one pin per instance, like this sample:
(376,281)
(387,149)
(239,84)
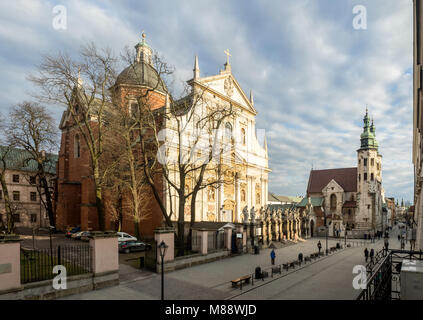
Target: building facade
(350,198)
(21,180)
(418,121)
(245,155)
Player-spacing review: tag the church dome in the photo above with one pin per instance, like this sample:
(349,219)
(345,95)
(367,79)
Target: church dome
(143,74)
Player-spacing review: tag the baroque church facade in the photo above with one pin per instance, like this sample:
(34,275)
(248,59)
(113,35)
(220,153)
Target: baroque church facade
(224,202)
(349,199)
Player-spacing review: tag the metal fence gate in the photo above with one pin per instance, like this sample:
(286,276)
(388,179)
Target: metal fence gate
(37,265)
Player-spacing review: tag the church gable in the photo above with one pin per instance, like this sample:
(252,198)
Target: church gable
(227,86)
(332,187)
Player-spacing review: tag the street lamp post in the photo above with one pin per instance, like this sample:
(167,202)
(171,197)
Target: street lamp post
(162,247)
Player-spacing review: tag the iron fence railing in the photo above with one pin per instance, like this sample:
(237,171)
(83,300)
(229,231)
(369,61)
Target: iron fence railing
(196,243)
(215,241)
(384,274)
(37,265)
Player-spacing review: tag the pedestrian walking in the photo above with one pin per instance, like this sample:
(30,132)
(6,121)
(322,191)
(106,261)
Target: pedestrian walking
(372,254)
(386,244)
(366,254)
(319,246)
(273,256)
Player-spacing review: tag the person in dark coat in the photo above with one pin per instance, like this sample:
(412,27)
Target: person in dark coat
(372,254)
(273,256)
(319,246)
(366,254)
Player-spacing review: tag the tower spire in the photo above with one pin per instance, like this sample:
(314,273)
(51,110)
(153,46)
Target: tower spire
(144,52)
(196,68)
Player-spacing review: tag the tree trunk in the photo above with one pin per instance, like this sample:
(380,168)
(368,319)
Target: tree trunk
(99,206)
(49,202)
(192,221)
(181,226)
(98,197)
(7,204)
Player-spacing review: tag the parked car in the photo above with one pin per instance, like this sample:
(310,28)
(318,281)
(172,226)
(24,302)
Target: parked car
(78,235)
(85,236)
(72,231)
(133,246)
(123,236)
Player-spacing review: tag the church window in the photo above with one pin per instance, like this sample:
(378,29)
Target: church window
(372,162)
(134,109)
(243,137)
(333,201)
(359,177)
(359,161)
(365,176)
(372,177)
(77,146)
(365,162)
(243,195)
(349,212)
(228,130)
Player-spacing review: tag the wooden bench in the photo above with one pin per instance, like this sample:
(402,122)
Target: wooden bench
(240,280)
(307,258)
(286,266)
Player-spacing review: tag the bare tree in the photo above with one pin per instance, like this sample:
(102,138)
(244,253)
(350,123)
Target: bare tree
(126,177)
(4,154)
(33,129)
(82,86)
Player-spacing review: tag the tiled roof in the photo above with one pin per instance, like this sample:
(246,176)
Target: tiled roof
(273,197)
(315,202)
(282,206)
(345,177)
(16,159)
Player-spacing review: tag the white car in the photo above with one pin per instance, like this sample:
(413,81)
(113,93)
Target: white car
(123,236)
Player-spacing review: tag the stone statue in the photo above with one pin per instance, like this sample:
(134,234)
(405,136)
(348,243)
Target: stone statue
(245,214)
(253,215)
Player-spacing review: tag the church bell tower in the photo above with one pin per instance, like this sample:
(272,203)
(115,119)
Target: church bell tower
(369,179)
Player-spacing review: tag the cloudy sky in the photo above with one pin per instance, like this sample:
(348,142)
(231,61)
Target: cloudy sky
(311,71)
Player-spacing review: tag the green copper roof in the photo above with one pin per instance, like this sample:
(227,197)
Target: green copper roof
(368,137)
(17,159)
(315,202)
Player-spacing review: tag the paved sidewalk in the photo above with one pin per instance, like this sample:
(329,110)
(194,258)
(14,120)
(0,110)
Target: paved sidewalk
(207,281)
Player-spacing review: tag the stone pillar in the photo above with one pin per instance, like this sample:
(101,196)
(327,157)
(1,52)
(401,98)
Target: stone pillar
(238,200)
(167,235)
(10,262)
(104,252)
(203,234)
(264,231)
(228,238)
(244,240)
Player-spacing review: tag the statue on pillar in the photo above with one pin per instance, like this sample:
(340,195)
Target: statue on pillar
(245,214)
(253,215)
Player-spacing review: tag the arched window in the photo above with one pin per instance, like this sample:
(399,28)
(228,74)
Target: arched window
(243,137)
(134,109)
(333,201)
(228,130)
(77,146)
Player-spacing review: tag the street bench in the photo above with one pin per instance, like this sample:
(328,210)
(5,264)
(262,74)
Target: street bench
(240,280)
(276,270)
(308,258)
